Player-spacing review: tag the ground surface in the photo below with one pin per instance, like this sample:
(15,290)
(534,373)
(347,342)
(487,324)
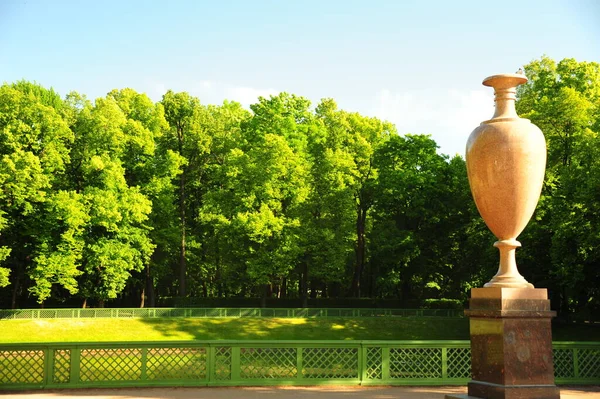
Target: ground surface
(365,328)
(70,330)
(278,393)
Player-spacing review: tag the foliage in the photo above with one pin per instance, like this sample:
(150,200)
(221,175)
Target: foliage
(563,100)
(130,200)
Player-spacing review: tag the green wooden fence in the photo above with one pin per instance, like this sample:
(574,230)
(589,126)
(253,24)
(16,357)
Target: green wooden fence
(7,314)
(244,363)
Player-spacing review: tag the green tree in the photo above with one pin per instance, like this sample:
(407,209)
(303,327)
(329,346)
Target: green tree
(34,151)
(562,99)
(116,238)
(151,166)
(214,270)
(262,188)
(423,211)
(355,138)
(189,140)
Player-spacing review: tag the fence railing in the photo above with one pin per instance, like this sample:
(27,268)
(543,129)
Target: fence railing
(220,312)
(244,363)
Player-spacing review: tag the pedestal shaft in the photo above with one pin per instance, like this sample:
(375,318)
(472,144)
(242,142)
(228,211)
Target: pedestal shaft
(511,344)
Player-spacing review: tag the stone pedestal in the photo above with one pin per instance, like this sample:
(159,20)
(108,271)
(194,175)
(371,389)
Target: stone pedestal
(511,344)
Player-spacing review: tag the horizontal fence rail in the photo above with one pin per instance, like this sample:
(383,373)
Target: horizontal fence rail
(16,314)
(246,363)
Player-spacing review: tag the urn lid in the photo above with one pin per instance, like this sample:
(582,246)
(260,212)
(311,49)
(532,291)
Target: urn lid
(505,80)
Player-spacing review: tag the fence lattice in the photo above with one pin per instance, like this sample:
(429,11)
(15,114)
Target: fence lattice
(152,313)
(213,363)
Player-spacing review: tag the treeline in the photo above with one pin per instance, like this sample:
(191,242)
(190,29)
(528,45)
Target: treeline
(126,200)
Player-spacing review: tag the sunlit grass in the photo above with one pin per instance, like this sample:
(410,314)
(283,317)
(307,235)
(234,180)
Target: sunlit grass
(168,329)
(387,328)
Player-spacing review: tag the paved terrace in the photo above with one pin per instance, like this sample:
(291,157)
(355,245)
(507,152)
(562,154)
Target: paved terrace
(590,392)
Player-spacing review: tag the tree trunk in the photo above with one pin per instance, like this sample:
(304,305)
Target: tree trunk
(143,297)
(564,307)
(150,288)
(361,217)
(405,294)
(182,180)
(101,303)
(182,264)
(263,297)
(84,304)
(218,282)
(313,289)
(15,291)
(283,289)
(335,290)
(304,284)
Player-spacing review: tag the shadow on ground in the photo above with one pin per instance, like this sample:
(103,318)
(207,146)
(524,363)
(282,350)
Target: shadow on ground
(278,392)
(374,328)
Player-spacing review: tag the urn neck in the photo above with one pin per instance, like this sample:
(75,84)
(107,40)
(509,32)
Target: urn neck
(505,90)
(505,103)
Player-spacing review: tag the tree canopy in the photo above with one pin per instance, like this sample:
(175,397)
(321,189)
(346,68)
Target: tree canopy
(127,200)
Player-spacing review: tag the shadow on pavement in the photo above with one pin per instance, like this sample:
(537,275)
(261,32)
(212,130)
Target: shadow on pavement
(328,392)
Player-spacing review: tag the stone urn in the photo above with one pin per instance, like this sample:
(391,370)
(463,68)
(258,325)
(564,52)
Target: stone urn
(506,160)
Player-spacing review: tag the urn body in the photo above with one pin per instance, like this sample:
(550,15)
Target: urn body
(506,161)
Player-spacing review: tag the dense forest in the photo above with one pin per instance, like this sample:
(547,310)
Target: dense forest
(124,201)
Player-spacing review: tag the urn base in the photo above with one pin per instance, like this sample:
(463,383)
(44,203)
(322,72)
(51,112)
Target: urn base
(511,344)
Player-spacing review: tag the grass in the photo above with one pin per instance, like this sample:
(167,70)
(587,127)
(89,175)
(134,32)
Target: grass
(167,329)
(78,330)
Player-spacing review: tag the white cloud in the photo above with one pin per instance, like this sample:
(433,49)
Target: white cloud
(205,84)
(212,92)
(448,115)
(158,89)
(247,95)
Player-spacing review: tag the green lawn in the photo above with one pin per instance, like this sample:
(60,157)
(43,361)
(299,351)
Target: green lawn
(377,328)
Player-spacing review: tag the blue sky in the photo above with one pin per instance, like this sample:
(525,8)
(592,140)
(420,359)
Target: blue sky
(418,64)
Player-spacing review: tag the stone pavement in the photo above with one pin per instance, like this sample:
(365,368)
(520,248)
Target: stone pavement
(324,392)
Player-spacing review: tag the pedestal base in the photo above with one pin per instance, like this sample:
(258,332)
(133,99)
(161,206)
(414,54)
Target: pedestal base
(480,391)
(511,344)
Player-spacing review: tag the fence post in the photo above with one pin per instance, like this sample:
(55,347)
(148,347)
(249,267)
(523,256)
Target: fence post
(385,363)
(444,363)
(235,363)
(48,366)
(210,363)
(144,371)
(576,362)
(74,377)
(362,363)
(299,364)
